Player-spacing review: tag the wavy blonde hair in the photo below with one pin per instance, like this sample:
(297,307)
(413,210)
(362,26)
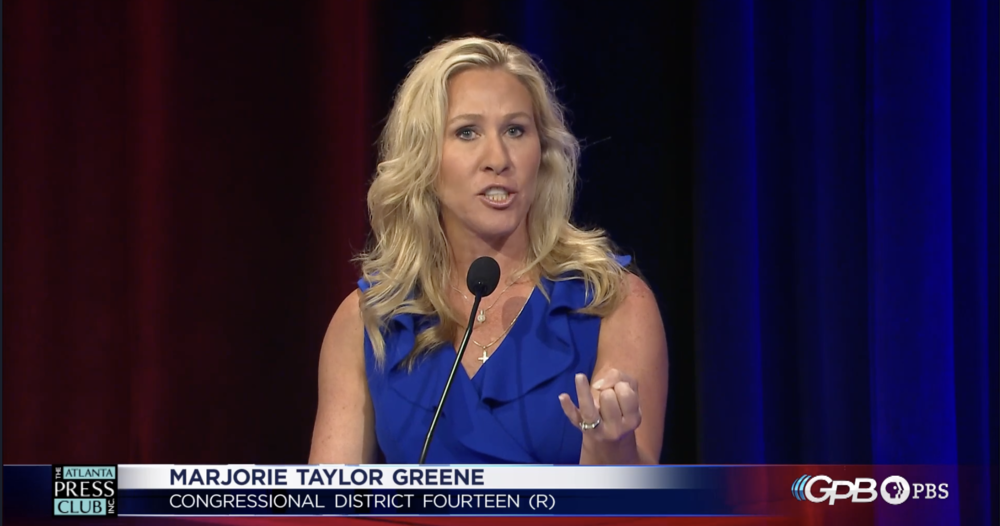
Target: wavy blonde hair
(408,263)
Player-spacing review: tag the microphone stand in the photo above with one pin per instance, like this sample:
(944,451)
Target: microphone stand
(451,376)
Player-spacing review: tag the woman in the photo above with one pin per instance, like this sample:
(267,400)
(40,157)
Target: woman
(476,160)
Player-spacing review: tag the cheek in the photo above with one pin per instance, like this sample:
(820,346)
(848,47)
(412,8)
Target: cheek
(531,160)
(450,174)
(446,173)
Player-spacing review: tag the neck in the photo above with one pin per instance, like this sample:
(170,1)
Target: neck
(510,253)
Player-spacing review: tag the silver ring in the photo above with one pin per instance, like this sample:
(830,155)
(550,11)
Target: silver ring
(587,426)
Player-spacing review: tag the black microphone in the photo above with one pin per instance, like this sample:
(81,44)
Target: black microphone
(482,280)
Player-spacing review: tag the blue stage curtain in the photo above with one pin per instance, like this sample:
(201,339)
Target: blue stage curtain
(845,236)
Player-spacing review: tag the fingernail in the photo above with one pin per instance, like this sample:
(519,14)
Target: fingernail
(598,384)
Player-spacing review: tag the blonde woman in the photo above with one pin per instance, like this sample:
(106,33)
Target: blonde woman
(476,160)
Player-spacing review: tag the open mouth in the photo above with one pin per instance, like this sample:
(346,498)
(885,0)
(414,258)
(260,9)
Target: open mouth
(497,197)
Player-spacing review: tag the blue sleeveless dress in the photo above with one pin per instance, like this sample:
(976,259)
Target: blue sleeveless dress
(509,412)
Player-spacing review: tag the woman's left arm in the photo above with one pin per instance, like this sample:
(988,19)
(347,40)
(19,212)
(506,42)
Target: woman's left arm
(629,388)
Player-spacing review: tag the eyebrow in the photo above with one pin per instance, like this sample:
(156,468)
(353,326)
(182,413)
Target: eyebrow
(477,116)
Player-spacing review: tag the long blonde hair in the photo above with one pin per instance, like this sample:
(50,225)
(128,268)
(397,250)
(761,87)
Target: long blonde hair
(408,264)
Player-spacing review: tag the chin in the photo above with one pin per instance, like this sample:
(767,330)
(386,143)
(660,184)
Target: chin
(496,233)
(497,230)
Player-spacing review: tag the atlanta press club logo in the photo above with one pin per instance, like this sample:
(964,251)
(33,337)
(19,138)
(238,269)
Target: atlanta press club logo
(84,491)
(894,490)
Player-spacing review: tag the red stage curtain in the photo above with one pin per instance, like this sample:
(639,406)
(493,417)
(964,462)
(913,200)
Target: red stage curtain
(184,186)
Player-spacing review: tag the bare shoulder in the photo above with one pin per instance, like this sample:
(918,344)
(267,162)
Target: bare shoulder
(638,313)
(348,314)
(632,338)
(343,343)
(344,340)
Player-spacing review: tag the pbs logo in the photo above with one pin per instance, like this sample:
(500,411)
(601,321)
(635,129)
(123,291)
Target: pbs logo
(894,490)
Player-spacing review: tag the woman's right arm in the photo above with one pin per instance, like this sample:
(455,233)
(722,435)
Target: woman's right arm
(345,419)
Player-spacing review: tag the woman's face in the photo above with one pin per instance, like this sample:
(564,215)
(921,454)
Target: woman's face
(490,158)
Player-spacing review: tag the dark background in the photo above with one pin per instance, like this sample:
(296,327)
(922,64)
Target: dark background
(809,187)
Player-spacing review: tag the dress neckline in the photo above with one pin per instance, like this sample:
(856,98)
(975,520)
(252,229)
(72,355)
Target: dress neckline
(500,344)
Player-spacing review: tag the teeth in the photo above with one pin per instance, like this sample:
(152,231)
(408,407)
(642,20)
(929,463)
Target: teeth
(498,195)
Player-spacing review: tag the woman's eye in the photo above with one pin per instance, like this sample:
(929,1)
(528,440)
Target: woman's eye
(515,131)
(466,134)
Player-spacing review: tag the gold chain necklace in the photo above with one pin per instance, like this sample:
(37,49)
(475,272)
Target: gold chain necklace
(486,355)
(481,315)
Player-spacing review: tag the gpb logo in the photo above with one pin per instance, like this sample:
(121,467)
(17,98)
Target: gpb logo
(861,490)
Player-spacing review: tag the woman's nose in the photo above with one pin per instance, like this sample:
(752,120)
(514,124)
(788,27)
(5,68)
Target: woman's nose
(496,158)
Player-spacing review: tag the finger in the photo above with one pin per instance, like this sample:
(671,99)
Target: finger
(628,400)
(607,379)
(572,413)
(588,409)
(610,411)
(632,382)
(610,377)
